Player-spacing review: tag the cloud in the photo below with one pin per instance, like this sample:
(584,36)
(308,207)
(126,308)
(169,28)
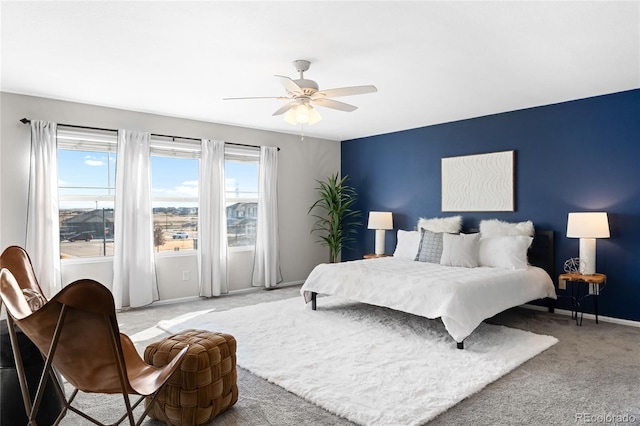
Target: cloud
(187,188)
(92,161)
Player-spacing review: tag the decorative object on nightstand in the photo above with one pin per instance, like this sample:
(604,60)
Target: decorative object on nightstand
(588,226)
(380,221)
(594,281)
(573,265)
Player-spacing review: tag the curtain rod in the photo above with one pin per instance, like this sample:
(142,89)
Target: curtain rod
(27,121)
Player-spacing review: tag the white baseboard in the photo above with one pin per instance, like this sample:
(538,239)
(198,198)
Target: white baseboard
(242,290)
(172,301)
(602,318)
(290,283)
(281,285)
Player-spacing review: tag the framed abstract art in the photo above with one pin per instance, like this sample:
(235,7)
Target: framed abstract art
(478,183)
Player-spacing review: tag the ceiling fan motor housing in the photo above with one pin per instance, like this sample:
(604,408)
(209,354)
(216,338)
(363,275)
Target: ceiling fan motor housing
(309,87)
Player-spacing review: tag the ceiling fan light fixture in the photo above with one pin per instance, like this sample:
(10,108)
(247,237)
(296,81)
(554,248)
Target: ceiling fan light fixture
(290,117)
(302,114)
(314,116)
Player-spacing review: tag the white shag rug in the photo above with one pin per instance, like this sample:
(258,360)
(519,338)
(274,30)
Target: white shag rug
(370,365)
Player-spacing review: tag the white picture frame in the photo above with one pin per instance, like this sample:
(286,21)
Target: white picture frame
(478,183)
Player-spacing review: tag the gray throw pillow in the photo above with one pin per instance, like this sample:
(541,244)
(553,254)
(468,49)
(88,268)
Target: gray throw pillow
(430,249)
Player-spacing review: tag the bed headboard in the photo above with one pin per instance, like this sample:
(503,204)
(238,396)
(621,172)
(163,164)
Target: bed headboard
(541,253)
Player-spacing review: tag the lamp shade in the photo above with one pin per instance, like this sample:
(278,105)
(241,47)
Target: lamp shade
(588,225)
(380,220)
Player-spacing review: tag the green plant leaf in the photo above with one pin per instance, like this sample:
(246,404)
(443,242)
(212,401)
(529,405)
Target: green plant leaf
(336,219)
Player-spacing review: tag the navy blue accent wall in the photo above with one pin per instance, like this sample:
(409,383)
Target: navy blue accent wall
(575,156)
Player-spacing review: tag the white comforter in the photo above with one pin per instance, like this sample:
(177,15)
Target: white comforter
(462,297)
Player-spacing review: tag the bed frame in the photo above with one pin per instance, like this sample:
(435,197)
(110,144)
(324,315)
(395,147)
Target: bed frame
(540,254)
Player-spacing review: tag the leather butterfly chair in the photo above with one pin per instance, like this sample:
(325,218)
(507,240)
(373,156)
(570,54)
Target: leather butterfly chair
(77,333)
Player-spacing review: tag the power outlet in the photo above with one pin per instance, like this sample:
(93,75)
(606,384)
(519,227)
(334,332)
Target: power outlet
(562,285)
(185,275)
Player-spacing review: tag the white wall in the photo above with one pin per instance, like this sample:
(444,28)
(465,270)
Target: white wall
(300,163)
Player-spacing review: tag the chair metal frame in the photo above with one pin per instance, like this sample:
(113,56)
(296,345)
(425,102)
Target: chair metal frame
(82,298)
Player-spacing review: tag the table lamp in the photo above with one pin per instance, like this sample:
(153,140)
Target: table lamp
(380,221)
(588,226)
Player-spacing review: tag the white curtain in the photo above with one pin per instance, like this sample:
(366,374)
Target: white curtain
(212,221)
(43,229)
(134,277)
(266,263)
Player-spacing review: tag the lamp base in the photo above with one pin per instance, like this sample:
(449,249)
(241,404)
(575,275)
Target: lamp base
(587,256)
(380,241)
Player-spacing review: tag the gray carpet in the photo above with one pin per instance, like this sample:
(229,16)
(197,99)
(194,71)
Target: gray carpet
(591,376)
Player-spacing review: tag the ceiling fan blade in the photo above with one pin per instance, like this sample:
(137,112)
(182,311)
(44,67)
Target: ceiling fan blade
(285,108)
(290,85)
(255,97)
(328,103)
(345,91)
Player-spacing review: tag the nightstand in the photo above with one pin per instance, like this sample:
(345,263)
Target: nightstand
(593,283)
(375,256)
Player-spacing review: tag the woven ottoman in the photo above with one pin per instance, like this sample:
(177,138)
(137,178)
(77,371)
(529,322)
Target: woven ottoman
(205,385)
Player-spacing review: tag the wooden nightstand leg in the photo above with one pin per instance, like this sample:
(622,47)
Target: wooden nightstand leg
(595,304)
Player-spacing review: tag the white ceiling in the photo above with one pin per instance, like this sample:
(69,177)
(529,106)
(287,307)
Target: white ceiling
(432,62)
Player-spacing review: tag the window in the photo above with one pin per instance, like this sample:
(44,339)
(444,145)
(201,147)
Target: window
(174,177)
(241,168)
(86,188)
(174,191)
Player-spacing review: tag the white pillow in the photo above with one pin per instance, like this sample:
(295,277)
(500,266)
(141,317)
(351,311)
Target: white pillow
(460,250)
(498,228)
(407,244)
(508,252)
(450,225)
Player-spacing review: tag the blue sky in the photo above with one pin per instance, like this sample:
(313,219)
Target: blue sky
(171,177)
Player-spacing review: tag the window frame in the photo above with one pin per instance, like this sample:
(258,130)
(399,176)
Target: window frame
(164,146)
(70,138)
(242,154)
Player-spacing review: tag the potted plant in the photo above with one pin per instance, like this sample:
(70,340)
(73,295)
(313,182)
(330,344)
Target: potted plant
(336,218)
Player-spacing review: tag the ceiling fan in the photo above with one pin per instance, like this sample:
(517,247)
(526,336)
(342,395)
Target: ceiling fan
(304,94)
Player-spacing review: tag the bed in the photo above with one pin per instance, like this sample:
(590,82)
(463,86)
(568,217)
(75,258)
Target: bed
(461,296)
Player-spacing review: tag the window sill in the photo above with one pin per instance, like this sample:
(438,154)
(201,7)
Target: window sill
(175,253)
(86,260)
(161,254)
(239,249)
